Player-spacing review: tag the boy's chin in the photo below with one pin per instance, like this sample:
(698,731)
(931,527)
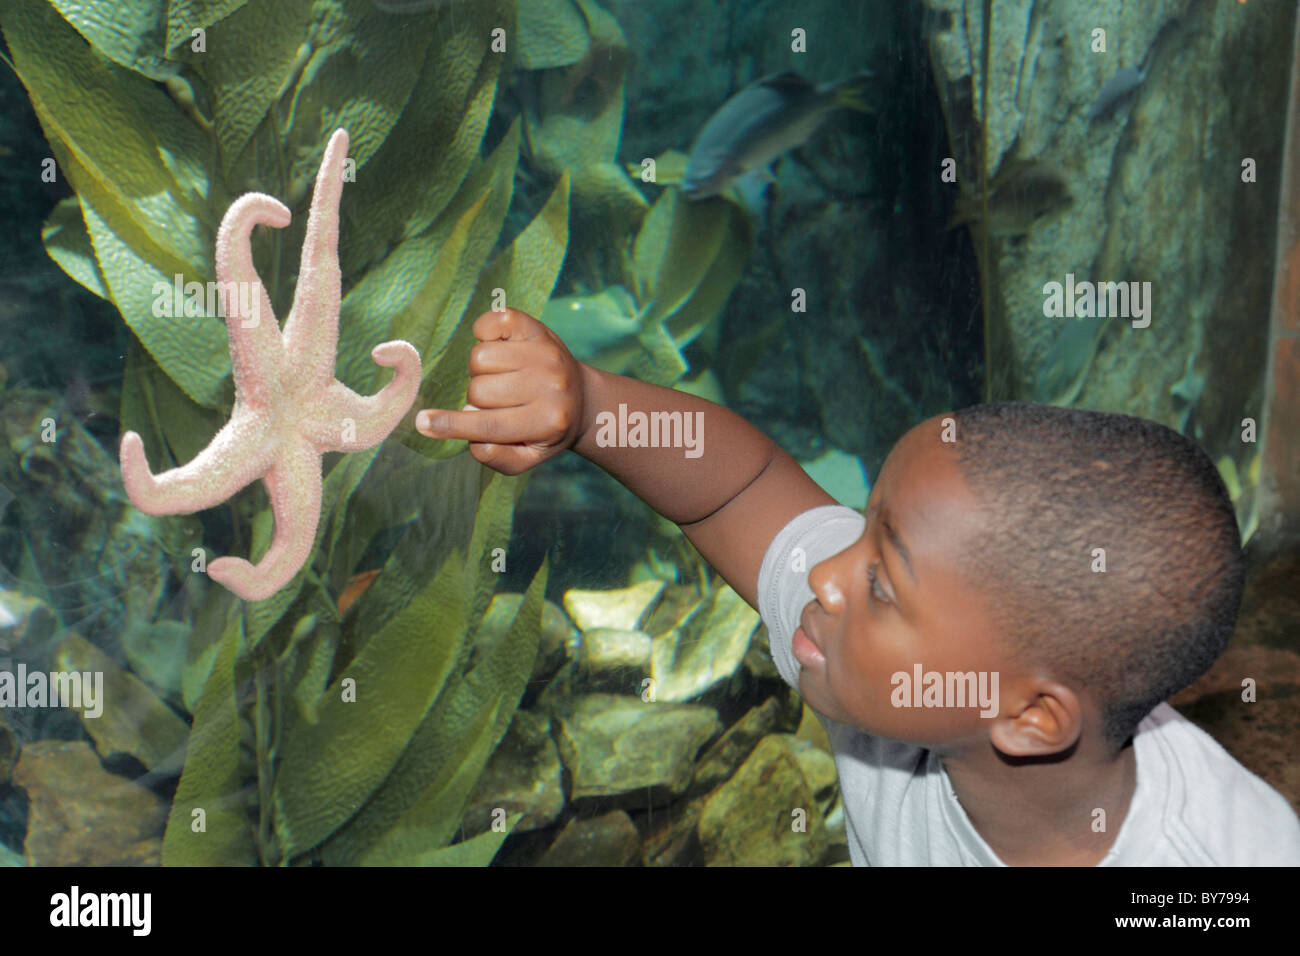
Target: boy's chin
(826,705)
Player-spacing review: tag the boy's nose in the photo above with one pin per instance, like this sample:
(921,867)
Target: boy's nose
(832,580)
(826,586)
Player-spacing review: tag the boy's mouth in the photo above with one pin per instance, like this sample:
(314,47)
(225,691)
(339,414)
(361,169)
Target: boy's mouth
(805,650)
(808,630)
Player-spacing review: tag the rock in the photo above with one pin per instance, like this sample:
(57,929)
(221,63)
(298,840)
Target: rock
(675,605)
(558,639)
(565,684)
(523,776)
(628,752)
(104,562)
(722,759)
(674,842)
(758,659)
(1271,668)
(704,649)
(133,721)
(609,840)
(812,729)
(766,815)
(23,619)
(622,608)
(817,765)
(613,659)
(956,50)
(1121,171)
(791,710)
(79,814)
(10,858)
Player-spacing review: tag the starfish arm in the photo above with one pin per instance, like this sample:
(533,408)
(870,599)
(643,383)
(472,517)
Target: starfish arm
(256,346)
(352,422)
(294,485)
(312,330)
(234,458)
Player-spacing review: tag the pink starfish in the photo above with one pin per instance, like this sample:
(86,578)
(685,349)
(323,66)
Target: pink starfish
(289,407)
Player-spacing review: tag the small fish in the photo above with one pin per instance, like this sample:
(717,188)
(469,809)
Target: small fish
(752,190)
(1022,192)
(1115,91)
(762,121)
(1127,79)
(356,586)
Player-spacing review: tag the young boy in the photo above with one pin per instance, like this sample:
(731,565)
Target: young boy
(1069,569)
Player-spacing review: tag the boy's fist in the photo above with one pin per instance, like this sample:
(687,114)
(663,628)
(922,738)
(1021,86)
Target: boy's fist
(525,395)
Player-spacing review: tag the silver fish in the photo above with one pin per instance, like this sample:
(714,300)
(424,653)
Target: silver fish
(1127,79)
(762,121)
(1115,91)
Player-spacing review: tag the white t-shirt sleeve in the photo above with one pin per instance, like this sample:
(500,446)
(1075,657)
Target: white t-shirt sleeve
(1200,806)
(783,590)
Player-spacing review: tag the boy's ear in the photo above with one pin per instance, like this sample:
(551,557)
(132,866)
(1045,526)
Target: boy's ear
(1049,722)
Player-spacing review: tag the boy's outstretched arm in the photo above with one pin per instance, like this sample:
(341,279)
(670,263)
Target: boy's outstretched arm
(532,399)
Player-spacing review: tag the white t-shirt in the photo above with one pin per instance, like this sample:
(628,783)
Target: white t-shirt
(1194,804)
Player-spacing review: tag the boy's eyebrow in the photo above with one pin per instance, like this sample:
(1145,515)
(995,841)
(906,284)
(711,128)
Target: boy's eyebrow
(891,533)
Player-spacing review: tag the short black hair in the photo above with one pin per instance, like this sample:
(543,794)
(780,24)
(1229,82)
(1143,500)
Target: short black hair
(1060,482)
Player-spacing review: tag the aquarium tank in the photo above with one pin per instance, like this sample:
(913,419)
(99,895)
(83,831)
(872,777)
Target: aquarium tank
(250,615)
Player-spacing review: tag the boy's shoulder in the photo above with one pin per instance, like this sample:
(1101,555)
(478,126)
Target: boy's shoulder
(1209,809)
(1195,804)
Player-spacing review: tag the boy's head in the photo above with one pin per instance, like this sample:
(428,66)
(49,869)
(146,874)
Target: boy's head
(984,551)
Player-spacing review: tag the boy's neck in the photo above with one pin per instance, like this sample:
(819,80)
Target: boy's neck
(1044,814)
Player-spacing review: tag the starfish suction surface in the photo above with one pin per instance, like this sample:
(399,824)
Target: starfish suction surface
(289,408)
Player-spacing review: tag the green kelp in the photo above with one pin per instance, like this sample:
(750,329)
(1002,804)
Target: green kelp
(312,736)
(599,329)
(686,259)
(648,279)
(573,122)
(323,743)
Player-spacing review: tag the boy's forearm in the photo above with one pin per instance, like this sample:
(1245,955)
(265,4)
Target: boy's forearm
(732,452)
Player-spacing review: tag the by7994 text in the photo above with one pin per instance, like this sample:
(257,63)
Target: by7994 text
(1160,899)
(1225,897)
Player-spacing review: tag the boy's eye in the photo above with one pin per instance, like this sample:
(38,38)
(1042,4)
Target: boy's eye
(876,590)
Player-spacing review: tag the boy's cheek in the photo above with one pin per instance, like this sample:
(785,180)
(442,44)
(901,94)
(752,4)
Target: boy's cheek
(887,700)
